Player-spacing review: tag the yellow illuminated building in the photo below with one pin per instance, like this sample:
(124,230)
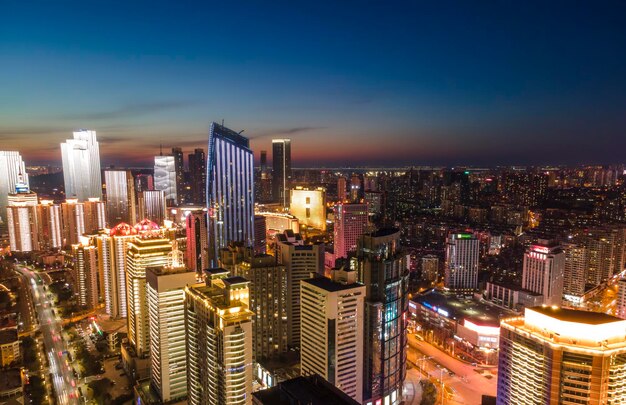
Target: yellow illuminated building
(561,356)
(309,206)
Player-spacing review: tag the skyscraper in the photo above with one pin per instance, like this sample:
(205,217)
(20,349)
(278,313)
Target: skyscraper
(95,215)
(179,168)
(22,220)
(219,345)
(574,279)
(165,296)
(562,356)
(120,202)
(281,174)
(149,250)
(332,326)
(85,274)
(430,268)
(230,190)
(383,269)
(462,254)
(341,189)
(260,234)
(620,304)
(197,171)
(197,243)
(309,206)
(350,225)
(73,221)
(165,178)
(544,265)
(81,166)
(12,172)
(152,206)
(49,219)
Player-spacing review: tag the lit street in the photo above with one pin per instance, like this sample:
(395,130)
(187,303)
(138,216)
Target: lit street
(56,350)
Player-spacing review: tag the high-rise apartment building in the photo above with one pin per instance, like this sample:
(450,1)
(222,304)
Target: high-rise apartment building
(574,272)
(73,214)
(342,193)
(350,225)
(81,166)
(49,219)
(197,171)
(152,206)
(268,296)
(562,356)
(620,304)
(165,178)
(302,261)
(309,206)
(260,234)
(430,268)
(12,173)
(143,252)
(95,215)
(219,345)
(544,267)
(462,255)
(605,252)
(168,358)
(120,202)
(85,274)
(197,243)
(355,188)
(281,173)
(383,269)
(230,190)
(22,220)
(179,168)
(332,325)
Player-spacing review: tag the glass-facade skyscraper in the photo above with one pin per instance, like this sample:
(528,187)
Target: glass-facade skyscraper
(281,174)
(230,190)
(81,166)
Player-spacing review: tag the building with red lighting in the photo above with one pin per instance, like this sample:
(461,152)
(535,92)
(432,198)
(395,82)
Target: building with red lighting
(544,267)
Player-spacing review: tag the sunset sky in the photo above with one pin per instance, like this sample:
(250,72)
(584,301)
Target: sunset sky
(380,83)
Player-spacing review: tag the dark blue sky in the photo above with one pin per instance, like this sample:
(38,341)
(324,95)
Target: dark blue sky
(350,82)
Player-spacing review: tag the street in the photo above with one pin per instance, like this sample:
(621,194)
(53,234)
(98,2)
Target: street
(468,383)
(56,349)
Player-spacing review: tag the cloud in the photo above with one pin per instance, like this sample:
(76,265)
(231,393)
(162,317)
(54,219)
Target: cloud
(133,110)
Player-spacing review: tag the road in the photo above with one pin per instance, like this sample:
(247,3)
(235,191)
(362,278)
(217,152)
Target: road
(56,349)
(467,384)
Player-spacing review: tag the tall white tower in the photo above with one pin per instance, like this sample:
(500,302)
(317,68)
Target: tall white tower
(81,166)
(11,166)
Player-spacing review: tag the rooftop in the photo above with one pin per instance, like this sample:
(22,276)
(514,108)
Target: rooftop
(8,336)
(10,379)
(572,315)
(330,285)
(311,390)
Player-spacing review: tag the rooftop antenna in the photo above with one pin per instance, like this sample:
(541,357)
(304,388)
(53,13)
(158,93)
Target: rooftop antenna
(161,149)
(222,121)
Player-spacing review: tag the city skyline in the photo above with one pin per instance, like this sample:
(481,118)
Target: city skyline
(389,87)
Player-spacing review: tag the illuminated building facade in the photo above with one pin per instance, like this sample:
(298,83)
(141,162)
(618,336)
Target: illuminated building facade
(179,168)
(152,206)
(73,221)
(22,220)
(462,256)
(165,295)
(120,203)
(85,274)
(95,215)
(383,269)
(562,356)
(342,194)
(81,166)
(165,178)
(197,172)
(430,268)
(355,188)
(332,325)
(350,225)
(12,173)
(309,206)
(144,251)
(620,304)
(281,173)
(544,266)
(574,277)
(260,235)
(49,218)
(197,244)
(219,345)
(230,190)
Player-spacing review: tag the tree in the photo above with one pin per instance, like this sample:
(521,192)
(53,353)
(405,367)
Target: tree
(429,393)
(101,389)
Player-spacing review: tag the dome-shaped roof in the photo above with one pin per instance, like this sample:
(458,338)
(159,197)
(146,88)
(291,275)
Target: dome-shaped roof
(146,225)
(123,229)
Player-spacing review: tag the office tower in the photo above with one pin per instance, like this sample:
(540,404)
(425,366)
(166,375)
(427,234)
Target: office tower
(620,301)
(264,182)
(355,188)
(49,220)
(574,277)
(144,182)
(350,225)
(260,235)
(73,214)
(263,164)
(342,193)
(230,190)
(81,166)
(165,178)
(332,326)
(562,356)
(179,168)
(120,202)
(219,348)
(384,271)
(281,173)
(95,215)
(197,244)
(268,287)
(22,220)
(150,250)
(462,254)
(311,389)
(166,298)
(152,206)
(374,200)
(430,268)
(197,171)
(85,274)
(112,246)
(302,262)
(309,206)
(544,265)
(12,173)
